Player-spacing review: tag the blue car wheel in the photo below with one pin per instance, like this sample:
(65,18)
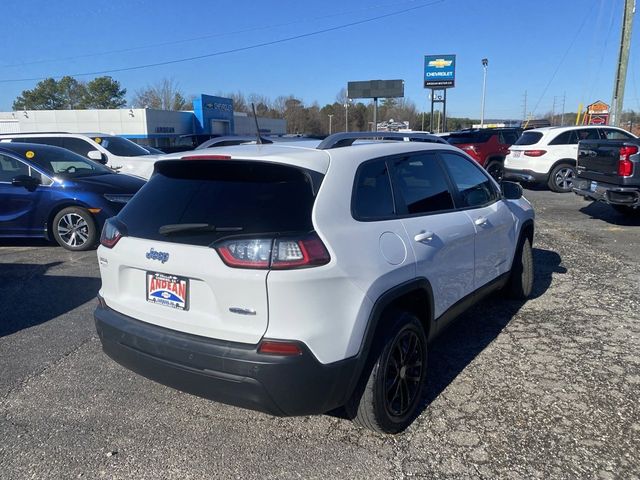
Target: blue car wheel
(75,229)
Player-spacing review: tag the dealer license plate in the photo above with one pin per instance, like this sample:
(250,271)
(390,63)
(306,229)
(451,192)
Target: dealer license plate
(168,290)
(516,153)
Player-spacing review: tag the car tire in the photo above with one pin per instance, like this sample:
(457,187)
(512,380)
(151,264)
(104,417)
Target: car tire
(562,178)
(393,393)
(75,229)
(627,210)
(520,283)
(495,168)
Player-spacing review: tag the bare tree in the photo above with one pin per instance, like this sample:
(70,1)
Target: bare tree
(164,95)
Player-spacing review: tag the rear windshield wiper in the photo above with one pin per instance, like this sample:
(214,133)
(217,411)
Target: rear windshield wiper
(194,227)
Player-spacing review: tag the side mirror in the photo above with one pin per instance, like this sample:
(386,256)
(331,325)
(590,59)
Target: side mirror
(511,190)
(30,183)
(97,156)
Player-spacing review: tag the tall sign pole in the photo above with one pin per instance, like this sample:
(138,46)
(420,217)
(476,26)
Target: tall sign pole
(439,75)
(623,61)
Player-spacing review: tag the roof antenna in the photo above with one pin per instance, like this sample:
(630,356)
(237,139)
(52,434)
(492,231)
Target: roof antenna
(255,118)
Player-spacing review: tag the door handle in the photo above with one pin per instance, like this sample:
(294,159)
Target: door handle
(423,237)
(480,221)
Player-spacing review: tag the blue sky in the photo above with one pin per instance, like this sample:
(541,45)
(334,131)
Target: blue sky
(545,47)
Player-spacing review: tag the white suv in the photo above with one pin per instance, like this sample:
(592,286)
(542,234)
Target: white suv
(116,152)
(548,155)
(297,280)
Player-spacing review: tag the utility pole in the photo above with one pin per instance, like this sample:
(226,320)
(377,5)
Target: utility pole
(564,98)
(553,111)
(346,116)
(623,61)
(330,117)
(524,108)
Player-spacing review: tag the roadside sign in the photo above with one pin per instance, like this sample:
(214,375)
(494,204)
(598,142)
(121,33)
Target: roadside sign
(597,114)
(439,71)
(376,89)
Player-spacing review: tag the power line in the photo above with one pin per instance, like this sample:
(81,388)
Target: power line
(564,56)
(204,37)
(233,50)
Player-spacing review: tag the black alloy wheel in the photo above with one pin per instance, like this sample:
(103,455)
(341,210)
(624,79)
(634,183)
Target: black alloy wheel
(392,396)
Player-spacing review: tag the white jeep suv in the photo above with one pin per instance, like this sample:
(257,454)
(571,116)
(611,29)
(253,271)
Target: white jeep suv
(548,155)
(116,152)
(297,280)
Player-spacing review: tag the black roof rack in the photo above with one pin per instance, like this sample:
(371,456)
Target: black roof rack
(346,139)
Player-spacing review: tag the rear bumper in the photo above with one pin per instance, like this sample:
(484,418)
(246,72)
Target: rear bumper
(608,193)
(528,176)
(227,372)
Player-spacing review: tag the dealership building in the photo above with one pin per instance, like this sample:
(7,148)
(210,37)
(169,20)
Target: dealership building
(147,126)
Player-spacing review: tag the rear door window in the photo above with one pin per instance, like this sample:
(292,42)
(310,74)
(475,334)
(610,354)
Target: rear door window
(565,138)
(232,197)
(422,185)
(587,134)
(372,196)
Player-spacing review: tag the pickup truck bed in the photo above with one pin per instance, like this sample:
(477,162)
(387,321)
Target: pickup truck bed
(609,171)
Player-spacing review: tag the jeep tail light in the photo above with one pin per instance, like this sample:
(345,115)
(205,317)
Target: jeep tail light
(279,347)
(625,165)
(534,153)
(110,234)
(280,253)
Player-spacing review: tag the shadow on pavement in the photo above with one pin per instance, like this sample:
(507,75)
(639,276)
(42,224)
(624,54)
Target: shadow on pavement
(29,297)
(473,331)
(26,242)
(606,213)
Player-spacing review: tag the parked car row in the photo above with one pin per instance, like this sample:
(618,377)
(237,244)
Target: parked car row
(217,272)
(597,162)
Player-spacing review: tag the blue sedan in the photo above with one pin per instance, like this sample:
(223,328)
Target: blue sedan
(50,192)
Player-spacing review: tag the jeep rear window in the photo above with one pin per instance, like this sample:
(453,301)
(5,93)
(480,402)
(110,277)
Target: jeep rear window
(529,138)
(238,197)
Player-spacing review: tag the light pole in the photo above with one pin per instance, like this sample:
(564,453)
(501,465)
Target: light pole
(330,117)
(485,64)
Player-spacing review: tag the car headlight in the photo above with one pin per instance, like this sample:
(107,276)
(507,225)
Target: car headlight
(117,198)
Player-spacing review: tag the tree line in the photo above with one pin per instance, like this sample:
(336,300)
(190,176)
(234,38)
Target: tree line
(343,114)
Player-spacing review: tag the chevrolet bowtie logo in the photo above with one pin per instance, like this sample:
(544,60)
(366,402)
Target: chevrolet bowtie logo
(440,63)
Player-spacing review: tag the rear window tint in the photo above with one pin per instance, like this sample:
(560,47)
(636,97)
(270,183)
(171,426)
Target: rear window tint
(373,198)
(529,138)
(478,137)
(235,196)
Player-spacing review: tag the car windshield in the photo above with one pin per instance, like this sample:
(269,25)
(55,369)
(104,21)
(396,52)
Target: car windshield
(59,162)
(121,146)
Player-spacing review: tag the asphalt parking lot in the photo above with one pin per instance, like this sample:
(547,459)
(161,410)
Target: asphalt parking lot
(544,389)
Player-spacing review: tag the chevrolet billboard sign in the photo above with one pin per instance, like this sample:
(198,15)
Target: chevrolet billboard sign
(439,71)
